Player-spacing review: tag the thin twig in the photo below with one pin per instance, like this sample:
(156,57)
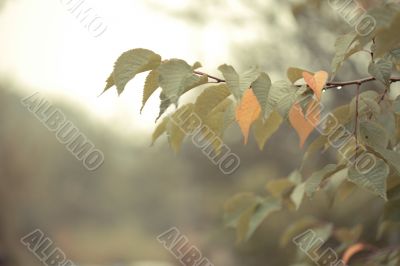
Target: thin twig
(357,116)
(218,80)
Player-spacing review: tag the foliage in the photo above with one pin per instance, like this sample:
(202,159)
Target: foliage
(369,124)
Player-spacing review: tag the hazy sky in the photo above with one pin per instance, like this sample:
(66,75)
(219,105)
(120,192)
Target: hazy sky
(45,48)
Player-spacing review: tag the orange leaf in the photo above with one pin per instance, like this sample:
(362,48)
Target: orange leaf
(354,249)
(305,124)
(316,82)
(247,112)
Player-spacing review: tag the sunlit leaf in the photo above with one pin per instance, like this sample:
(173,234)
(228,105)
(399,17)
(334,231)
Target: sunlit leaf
(177,126)
(210,98)
(131,63)
(150,86)
(174,75)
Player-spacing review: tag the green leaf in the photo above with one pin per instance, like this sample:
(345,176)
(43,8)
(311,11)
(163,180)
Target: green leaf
(374,180)
(391,211)
(368,104)
(196,65)
(294,74)
(337,187)
(164,104)
(388,38)
(295,177)
(175,75)
(388,121)
(281,97)
(150,86)
(194,81)
(131,63)
(210,98)
(349,235)
(396,106)
(381,70)
(373,134)
(392,157)
(343,51)
(297,228)
(235,206)
(261,89)
(313,182)
(264,130)
(238,83)
(258,214)
(278,188)
(394,55)
(298,195)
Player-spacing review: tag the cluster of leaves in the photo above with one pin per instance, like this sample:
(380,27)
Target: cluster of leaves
(258,104)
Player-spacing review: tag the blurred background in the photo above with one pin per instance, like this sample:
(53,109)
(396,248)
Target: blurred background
(112,216)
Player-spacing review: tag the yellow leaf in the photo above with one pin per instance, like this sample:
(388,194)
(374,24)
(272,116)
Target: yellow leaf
(150,86)
(210,98)
(160,130)
(294,74)
(178,126)
(304,124)
(278,188)
(247,112)
(316,82)
(264,130)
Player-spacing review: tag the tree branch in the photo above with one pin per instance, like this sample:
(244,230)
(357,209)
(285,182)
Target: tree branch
(329,85)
